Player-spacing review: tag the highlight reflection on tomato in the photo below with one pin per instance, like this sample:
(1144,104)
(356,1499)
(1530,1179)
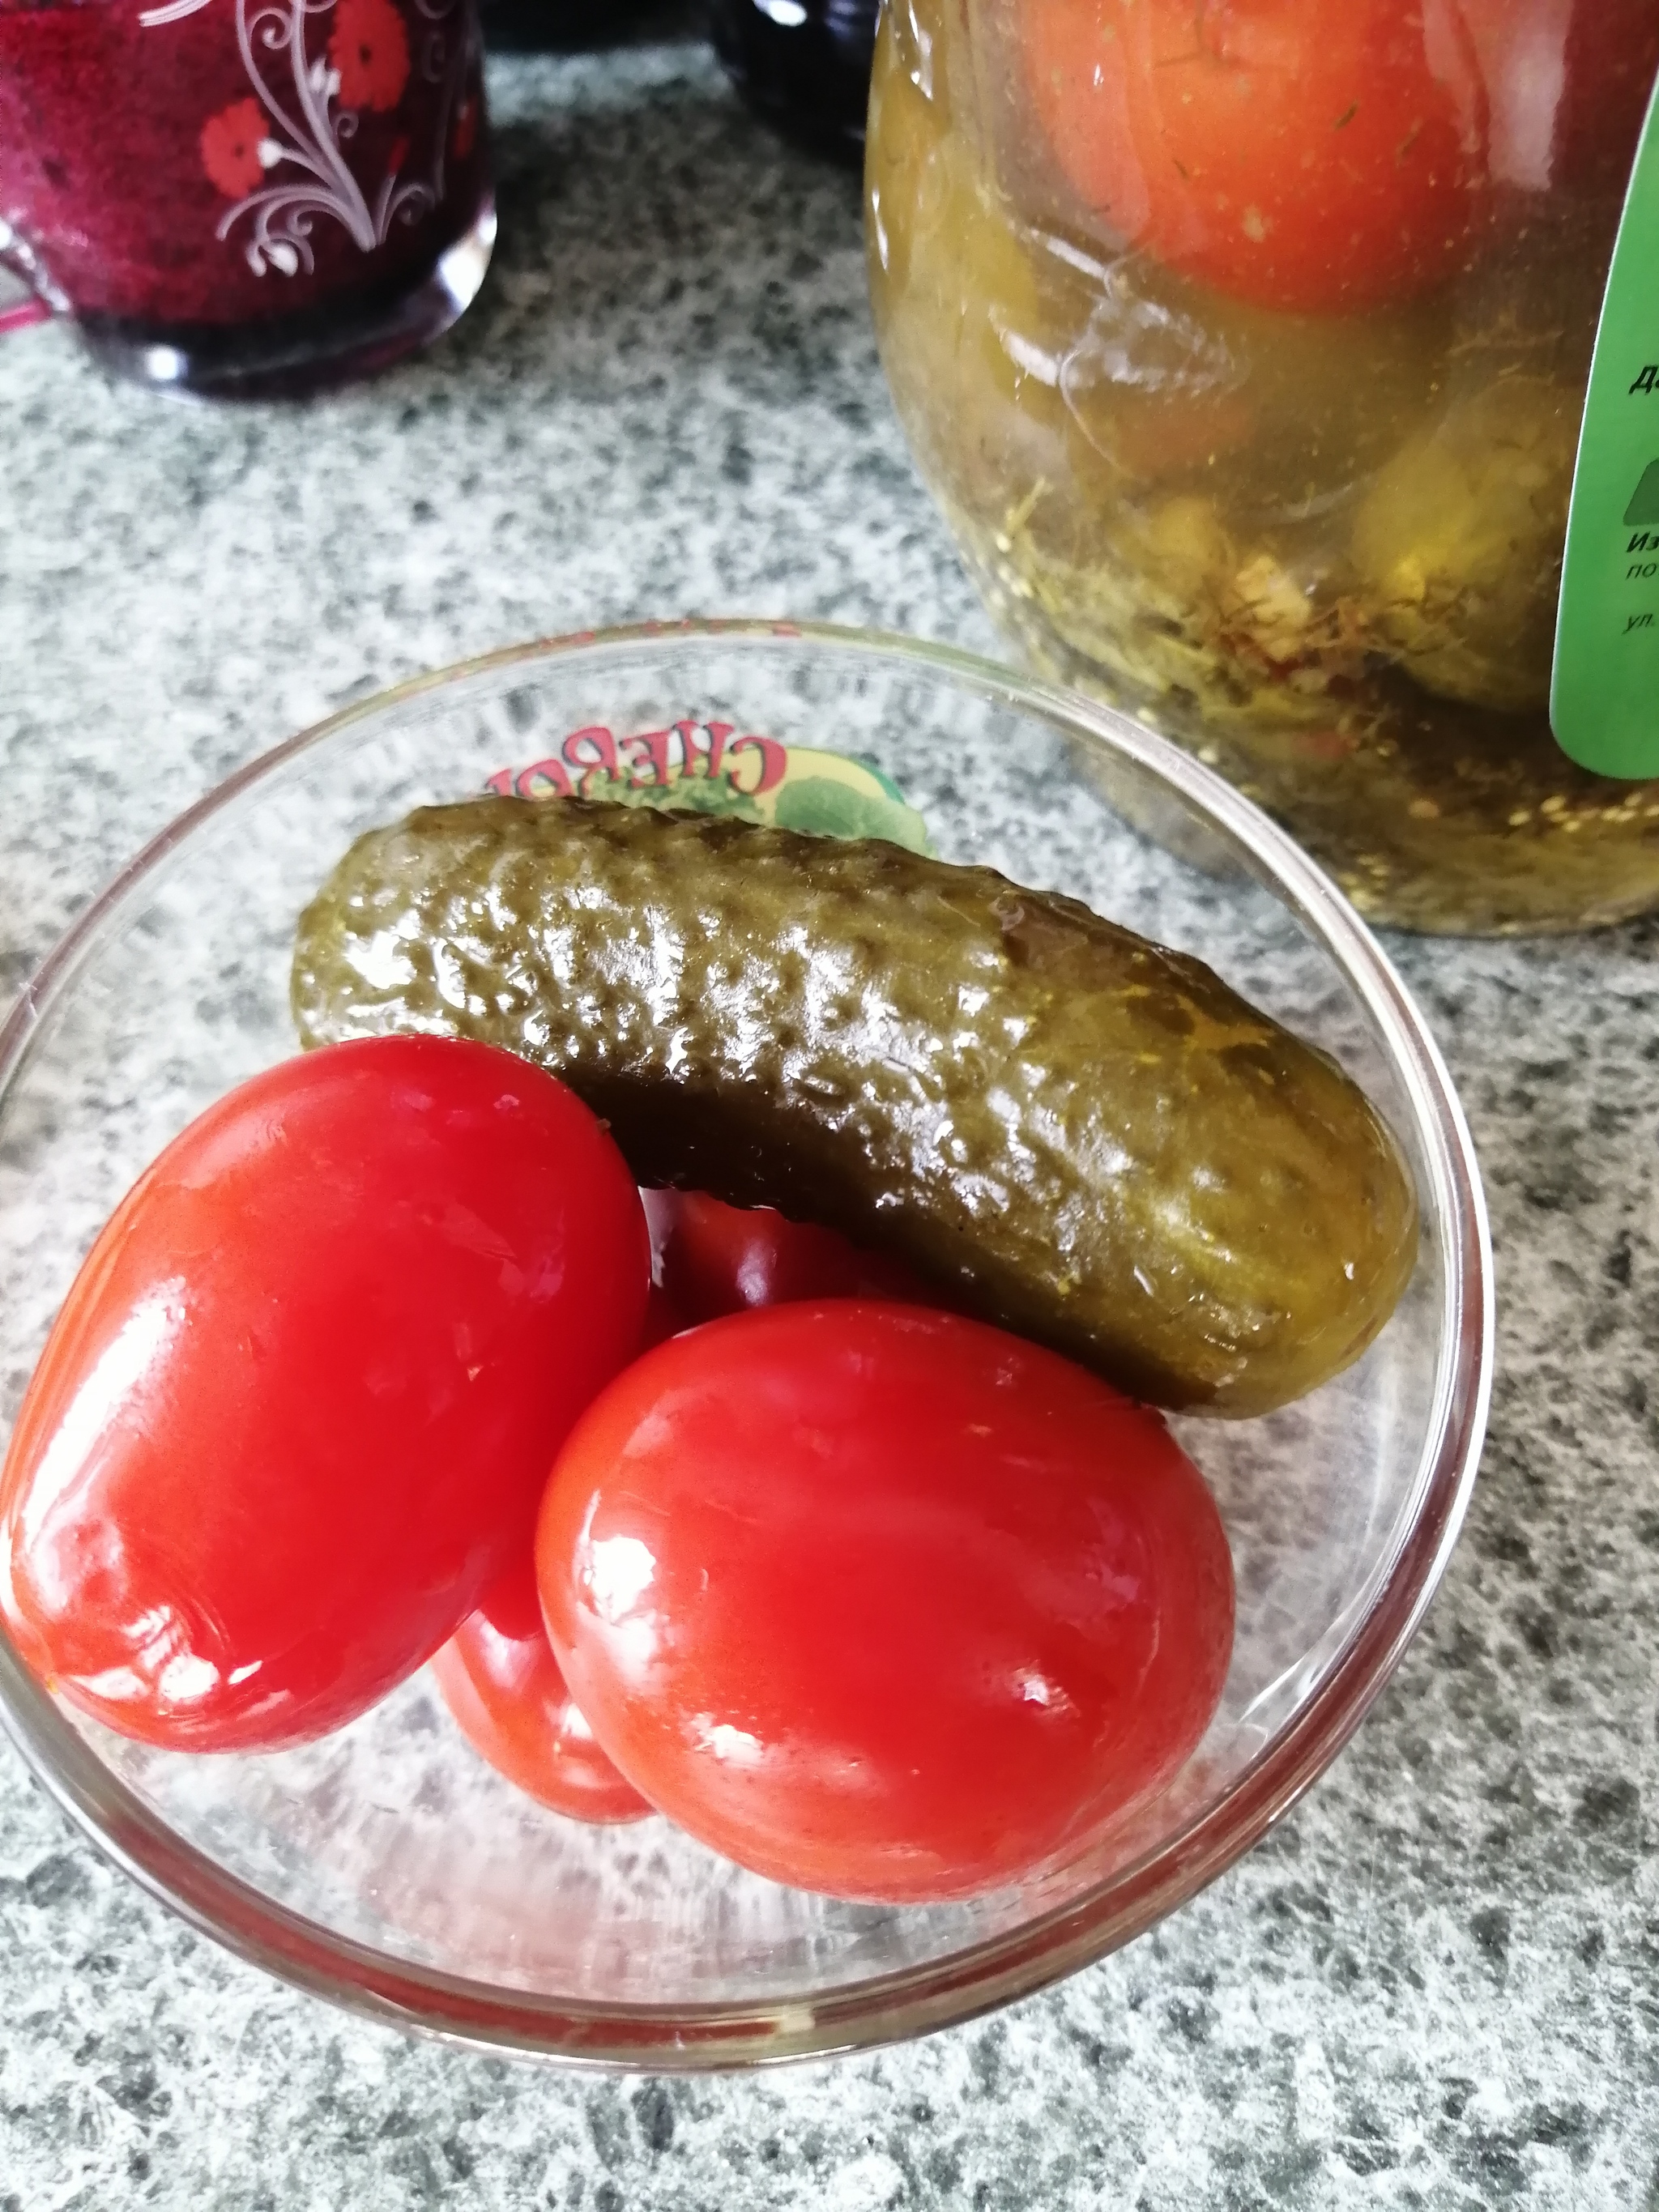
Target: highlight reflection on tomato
(501,1683)
(297,1411)
(881,1601)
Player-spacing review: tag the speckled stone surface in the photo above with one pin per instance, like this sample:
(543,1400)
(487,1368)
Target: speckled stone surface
(1438,1982)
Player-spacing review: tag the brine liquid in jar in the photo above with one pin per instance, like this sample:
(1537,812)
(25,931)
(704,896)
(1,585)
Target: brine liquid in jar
(1245,344)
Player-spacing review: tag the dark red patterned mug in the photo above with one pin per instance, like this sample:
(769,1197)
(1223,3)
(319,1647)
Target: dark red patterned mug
(244,196)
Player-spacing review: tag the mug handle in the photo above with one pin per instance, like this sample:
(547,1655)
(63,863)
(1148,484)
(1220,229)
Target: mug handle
(33,296)
(20,315)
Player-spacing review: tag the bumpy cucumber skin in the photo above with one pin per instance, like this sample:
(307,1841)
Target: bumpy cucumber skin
(1071,1132)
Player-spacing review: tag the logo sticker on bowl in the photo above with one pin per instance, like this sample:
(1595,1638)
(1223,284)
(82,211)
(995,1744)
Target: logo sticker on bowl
(711,768)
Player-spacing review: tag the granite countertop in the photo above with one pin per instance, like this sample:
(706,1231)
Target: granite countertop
(1436,1982)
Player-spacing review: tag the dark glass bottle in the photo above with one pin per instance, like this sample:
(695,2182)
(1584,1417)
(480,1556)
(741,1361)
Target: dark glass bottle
(560,27)
(803,65)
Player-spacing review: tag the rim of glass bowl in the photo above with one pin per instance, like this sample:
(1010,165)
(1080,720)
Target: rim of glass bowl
(936,1995)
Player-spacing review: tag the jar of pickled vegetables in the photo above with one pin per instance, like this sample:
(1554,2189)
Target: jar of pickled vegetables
(1245,344)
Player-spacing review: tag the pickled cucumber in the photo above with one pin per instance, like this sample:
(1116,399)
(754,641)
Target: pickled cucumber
(1068,1130)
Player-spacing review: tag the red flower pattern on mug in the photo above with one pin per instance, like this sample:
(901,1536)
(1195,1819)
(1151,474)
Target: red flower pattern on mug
(370,51)
(230,147)
(465,130)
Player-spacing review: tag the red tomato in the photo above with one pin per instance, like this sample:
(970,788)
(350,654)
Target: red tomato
(662,1318)
(880,1601)
(1312,155)
(500,1679)
(1612,54)
(300,1404)
(1567,85)
(715,1259)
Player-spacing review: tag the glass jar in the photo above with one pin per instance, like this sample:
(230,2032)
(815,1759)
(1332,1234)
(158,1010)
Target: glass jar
(1244,343)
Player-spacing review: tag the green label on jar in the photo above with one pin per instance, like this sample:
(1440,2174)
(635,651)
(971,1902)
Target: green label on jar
(1604,697)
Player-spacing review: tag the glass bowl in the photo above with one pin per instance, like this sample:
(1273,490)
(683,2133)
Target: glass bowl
(386,1867)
